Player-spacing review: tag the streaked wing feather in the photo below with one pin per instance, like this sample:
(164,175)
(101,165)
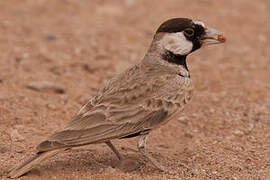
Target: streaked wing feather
(100,132)
(120,109)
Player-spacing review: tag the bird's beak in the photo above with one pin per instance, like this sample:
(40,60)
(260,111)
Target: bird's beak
(212,36)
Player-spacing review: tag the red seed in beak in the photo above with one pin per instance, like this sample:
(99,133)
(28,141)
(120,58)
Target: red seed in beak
(221,38)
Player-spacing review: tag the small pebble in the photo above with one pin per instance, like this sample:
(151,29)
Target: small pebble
(188,135)
(129,2)
(238,133)
(162,146)
(19,59)
(3,150)
(51,37)
(44,86)
(19,151)
(51,106)
(15,135)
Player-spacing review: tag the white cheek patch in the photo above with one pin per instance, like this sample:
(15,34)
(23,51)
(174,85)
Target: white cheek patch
(177,43)
(199,23)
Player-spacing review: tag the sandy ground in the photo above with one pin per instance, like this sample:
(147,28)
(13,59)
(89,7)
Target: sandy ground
(77,45)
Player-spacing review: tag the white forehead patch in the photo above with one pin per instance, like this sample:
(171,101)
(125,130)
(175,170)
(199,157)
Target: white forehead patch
(177,43)
(199,23)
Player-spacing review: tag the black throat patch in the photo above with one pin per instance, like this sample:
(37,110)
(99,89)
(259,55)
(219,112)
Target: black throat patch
(175,59)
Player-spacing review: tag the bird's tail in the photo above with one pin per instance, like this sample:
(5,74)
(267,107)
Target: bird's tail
(26,166)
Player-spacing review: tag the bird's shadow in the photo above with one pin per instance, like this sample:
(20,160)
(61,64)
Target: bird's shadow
(89,160)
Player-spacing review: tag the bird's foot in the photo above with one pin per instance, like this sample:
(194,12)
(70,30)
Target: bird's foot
(154,162)
(127,165)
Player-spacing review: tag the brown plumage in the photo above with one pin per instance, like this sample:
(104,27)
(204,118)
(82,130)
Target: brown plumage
(135,102)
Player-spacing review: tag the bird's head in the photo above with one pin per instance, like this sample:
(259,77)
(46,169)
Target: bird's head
(182,36)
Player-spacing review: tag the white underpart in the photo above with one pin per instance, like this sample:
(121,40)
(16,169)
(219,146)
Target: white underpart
(177,43)
(199,23)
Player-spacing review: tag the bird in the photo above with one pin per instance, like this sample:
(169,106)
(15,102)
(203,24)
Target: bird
(137,101)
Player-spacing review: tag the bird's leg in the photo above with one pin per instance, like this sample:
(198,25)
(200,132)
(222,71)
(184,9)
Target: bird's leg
(111,146)
(142,149)
(124,164)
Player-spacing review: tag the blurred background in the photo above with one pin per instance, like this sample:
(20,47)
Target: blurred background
(56,54)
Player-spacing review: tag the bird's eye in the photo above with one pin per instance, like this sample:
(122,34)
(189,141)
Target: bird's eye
(189,32)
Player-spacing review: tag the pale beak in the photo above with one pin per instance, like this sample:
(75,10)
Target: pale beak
(212,36)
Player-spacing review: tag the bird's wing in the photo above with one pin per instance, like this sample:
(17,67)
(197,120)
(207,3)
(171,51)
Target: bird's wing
(121,109)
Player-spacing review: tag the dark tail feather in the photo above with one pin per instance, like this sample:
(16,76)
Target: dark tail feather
(26,166)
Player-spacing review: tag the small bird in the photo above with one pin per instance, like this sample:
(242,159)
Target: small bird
(137,101)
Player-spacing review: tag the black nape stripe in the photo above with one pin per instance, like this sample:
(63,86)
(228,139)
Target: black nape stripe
(175,59)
